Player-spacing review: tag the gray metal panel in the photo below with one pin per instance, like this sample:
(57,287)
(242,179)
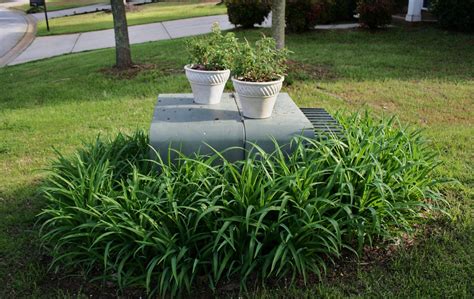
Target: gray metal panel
(323,122)
(286,122)
(186,126)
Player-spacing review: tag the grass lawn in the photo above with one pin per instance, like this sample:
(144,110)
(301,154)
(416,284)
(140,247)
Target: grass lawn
(424,75)
(64,4)
(143,14)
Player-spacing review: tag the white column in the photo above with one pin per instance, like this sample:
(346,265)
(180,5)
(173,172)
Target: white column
(414,11)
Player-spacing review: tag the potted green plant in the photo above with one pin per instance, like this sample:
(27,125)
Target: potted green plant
(258,76)
(210,61)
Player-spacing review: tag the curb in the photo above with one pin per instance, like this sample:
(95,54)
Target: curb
(23,43)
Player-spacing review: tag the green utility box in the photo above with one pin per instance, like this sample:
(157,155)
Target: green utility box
(180,124)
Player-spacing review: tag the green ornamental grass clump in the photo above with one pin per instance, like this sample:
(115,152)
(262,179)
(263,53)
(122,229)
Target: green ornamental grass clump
(260,63)
(214,52)
(136,222)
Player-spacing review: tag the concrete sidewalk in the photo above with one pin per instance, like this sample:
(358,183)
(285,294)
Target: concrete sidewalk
(49,46)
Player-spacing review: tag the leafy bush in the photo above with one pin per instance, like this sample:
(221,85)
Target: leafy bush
(261,63)
(165,227)
(213,52)
(455,14)
(400,6)
(375,13)
(247,13)
(342,10)
(302,15)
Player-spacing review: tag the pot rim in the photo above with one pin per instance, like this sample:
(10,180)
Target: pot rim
(187,67)
(282,78)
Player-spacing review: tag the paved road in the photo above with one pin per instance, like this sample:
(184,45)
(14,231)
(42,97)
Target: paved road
(13,26)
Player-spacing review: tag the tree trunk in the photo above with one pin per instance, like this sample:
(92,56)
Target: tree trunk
(123,57)
(278,22)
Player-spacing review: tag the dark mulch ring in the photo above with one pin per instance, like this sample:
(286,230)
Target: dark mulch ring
(298,71)
(128,73)
(139,68)
(345,268)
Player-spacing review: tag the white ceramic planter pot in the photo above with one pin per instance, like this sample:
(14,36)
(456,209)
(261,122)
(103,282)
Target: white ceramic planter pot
(257,98)
(207,86)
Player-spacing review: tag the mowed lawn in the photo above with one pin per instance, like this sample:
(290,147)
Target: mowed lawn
(423,75)
(140,14)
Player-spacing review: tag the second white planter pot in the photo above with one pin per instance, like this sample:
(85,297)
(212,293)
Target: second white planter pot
(207,86)
(257,98)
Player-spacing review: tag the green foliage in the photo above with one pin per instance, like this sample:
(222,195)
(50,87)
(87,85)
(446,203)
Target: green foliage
(342,10)
(400,6)
(213,52)
(455,14)
(247,13)
(375,13)
(261,63)
(387,177)
(303,15)
(164,227)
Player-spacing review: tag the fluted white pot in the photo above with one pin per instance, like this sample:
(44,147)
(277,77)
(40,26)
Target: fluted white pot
(257,98)
(207,86)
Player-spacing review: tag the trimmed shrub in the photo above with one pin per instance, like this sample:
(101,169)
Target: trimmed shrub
(247,13)
(454,14)
(136,222)
(303,15)
(375,13)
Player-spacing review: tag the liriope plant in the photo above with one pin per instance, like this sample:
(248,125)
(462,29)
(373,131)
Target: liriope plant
(124,218)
